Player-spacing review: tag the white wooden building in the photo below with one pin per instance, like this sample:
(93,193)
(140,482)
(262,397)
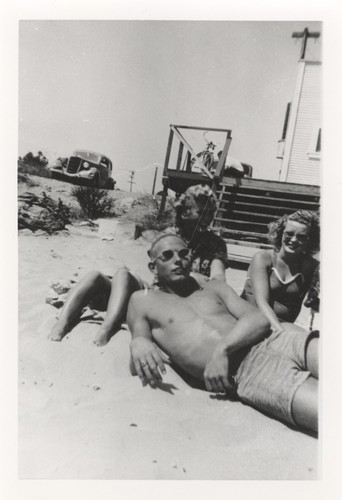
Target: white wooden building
(300,146)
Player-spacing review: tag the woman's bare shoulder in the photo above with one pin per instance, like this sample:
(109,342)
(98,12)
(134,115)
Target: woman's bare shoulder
(263,258)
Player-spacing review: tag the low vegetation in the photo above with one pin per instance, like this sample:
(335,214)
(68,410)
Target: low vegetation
(42,213)
(81,202)
(41,171)
(94,203)
(145,212)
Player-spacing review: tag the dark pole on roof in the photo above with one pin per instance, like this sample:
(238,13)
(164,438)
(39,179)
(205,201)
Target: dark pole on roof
(305,34)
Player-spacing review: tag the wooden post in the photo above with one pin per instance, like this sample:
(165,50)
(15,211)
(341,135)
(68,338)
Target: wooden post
(191,151)
(221,163)
(165,180)
(131,182)
(154,180)
(180,154)
(163,201)
(220,198)
(188,162)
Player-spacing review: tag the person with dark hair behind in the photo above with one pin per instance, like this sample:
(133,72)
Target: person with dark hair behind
(195,211)
(278,280)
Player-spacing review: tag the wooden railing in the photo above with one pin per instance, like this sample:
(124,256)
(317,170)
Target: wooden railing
(173,177)
(245,206)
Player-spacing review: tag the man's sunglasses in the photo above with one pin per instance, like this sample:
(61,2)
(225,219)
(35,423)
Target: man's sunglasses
(167,255)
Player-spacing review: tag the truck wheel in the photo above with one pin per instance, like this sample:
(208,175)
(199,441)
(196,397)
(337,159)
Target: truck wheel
(110,184)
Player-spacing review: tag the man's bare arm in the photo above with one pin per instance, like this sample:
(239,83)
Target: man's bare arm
(250,328)
(146,357)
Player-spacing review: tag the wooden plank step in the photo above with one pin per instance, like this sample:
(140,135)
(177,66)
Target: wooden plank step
(268,185)
(268,193)
(272,213)
(252,244)
(239,196)
(245,234)
(244,259)
(244,225)
(242,253)
(247,216)
(271,209)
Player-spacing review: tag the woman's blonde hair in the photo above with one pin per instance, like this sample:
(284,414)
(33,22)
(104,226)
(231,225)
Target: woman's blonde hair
(306,217)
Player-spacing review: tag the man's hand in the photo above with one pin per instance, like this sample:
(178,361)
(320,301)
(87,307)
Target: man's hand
(216,373)
(147,360)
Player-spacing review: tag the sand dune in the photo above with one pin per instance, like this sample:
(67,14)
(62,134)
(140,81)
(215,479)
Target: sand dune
(82,415)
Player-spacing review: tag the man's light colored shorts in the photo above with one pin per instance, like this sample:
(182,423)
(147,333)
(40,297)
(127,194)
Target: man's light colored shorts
(272,371)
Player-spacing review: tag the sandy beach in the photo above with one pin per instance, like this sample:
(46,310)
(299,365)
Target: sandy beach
(83,416)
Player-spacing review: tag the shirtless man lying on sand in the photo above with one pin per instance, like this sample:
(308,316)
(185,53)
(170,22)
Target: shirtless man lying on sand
(217,337)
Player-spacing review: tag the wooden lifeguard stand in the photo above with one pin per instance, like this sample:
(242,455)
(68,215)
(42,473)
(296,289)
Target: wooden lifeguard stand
(245,206)
(180,176)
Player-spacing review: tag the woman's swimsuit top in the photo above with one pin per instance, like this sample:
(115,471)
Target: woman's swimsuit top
(290,280)
(286,297)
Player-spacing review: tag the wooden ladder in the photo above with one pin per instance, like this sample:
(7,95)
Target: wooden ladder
(247,206)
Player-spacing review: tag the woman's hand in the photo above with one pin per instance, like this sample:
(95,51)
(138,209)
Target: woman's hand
(147,360)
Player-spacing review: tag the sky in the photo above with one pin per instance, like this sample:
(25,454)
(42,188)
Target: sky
(116,86)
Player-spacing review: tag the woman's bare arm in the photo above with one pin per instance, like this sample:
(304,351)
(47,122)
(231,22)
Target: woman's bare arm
(259,274)
(217,270)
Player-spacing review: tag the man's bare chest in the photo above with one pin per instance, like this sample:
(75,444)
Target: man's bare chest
(201,304)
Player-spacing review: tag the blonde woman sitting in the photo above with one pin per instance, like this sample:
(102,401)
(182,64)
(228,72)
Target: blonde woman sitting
(278,280)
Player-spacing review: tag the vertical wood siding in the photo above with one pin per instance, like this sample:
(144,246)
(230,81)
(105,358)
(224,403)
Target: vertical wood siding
(303,169)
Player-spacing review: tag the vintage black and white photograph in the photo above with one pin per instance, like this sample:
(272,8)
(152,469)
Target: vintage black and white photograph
(169,200)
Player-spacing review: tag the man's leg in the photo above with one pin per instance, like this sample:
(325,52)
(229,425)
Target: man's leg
(124,284)
(92,284)
(305,405)
(312,357)
(305,401)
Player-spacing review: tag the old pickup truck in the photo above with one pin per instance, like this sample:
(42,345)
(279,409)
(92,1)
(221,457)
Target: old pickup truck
(86,168)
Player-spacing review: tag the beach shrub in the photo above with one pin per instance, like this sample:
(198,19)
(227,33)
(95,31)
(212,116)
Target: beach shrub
(93,202)
(155,222)
(145,212)
(41,171)
(42,212)
(145,201)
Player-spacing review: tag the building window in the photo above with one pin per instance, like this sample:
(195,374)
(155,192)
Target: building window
(315,144)
(286,121)
(318,142)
